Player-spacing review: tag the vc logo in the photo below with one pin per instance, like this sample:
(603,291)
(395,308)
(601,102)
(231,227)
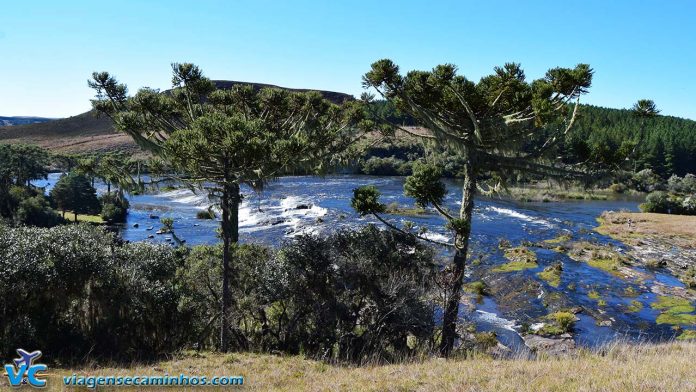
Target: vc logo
(24,371)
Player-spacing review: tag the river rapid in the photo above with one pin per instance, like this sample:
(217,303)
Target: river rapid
(298,205)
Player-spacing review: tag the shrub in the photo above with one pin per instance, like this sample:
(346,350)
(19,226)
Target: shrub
(205,214)
(389,166)
(114,207)
(36,211)
(659,202)
(72,290)
(561,322)
(354,296)
(689,205)
(618,188)
(647,181)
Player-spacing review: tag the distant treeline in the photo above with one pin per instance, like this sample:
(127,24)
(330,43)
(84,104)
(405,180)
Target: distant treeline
(668,145)
(665,144)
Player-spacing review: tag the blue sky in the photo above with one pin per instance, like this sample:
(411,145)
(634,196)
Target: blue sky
(48,49)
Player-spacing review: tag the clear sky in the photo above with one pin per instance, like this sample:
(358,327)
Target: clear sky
(48,49)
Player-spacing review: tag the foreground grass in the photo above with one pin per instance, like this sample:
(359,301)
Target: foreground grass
(665,367)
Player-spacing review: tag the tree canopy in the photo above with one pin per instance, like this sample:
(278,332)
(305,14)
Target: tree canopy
(217,140)
(501,125)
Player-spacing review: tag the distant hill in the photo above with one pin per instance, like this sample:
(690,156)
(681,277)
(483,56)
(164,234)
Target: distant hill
(88,132)
(10,121)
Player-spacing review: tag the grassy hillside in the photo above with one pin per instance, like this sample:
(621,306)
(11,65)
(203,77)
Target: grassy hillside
(665,367)
(87,132)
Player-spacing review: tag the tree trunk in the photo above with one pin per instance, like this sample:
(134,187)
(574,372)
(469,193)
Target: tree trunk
(230,235)
(75,215)
(450,317)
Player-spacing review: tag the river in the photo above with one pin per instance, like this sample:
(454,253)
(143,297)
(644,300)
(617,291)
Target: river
(298,205)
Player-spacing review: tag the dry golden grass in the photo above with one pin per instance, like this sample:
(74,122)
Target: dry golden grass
(665,367)
(677,229)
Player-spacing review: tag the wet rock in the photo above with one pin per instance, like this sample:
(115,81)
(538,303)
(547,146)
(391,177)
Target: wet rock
(562,345)
(604,323)
(151,236)
(135,225)
(153,216)
(149,228)
(158,232)
(303,206)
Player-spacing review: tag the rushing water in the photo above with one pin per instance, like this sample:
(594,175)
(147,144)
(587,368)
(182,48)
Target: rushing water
(300,205)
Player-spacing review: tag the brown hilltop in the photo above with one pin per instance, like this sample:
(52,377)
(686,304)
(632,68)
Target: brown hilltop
(88,132)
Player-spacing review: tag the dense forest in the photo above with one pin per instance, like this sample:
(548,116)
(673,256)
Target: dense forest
(668,145)
(665,144)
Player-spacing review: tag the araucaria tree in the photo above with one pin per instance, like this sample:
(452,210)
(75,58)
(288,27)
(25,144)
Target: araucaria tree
(499,126)
(228,138)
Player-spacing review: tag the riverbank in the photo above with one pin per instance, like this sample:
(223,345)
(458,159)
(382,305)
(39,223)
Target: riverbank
(657,241)
(665,367)
(545,192)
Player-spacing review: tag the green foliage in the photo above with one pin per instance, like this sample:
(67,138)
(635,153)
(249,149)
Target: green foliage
(19,164)
(114,207)
(521,258)
(635,306)
(425,185)
(73,192)
(389,166)
(666,203)
(552,274)
(73,291)
(366,200)
(37,211)
(479,288)
(486,340)
(205,214)
(353,296)
(674,311)
(167,225)
(561,322)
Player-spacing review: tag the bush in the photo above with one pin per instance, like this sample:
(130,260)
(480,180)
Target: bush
(75,290)
(647,181)
(659,202)
(206,214)
(689,205)
(564,320)
(36,211)
(561,322)
(72,291)
(114,207)
(389,166)
(618,188)
(353,296)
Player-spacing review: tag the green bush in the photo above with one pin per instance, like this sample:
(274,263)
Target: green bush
(618,188)
(659,202)
(73,291)
(205,214)
(353,296)
(388,166)
(76,291)
(114,207)
(564,320)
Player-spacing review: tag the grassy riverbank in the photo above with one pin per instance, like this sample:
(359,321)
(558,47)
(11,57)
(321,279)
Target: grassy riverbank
(632,227)
(666,367)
